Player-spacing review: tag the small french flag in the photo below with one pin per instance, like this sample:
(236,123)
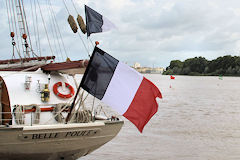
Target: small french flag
(121,87)
(95,22)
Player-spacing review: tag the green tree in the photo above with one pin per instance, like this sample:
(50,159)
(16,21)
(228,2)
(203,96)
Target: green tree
(176,63)
(226,65)
(196,64)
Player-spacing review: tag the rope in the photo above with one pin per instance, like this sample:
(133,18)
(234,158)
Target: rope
(11,14)
(93,104)
(84,44)
(39,44)
(12,22)
(87,50)
(91,42)
(81,95)
(80,116)
(16,30)
(45,27)
(74,6)
(54,34)
(11,29)
(54,17)
(37,114)
(83,116)
(29,36)
(38,66)
(20,25)
(66,6)
(34,25)
(57,113)
(65,105)
(81,102)
(9,24)
(101,109)
(19,114)
(79,33)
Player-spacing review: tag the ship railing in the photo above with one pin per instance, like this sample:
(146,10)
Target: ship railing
(20,118)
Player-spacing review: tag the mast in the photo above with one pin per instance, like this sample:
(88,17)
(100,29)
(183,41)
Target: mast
(22,27)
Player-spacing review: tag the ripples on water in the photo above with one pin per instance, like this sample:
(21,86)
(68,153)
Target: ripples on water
(198,119)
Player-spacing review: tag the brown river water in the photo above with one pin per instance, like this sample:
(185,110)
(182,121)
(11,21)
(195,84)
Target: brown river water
(198,119)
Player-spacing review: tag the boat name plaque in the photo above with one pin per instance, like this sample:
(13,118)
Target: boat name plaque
(58,135)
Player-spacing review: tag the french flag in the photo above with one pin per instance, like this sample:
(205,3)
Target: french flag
(95,22)
(121,87)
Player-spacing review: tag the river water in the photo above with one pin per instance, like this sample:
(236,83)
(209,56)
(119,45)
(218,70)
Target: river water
(198,119)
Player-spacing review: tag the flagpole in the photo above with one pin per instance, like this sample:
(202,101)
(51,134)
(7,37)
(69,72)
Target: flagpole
(74,100)
(72,105)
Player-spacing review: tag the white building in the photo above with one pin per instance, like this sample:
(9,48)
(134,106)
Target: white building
(136,65)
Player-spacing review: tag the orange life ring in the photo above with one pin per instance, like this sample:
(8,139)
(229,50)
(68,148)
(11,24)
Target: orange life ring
(55,90)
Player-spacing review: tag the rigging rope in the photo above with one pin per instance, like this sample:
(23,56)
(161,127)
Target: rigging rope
(54,17)
(74,6)
(24,14)
(11,20)
(84,44)
(66,6)
(91,42)
(39,43)
(34,25)
(21,25)
(87,50)
(16,30)
(9,24)
(11,30)
(45,27)
(54,34)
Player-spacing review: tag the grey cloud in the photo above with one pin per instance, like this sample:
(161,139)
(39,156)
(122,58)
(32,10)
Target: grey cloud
(152,31)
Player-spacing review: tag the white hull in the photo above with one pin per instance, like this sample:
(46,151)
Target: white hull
(62,141)
(37,98)
(41,134)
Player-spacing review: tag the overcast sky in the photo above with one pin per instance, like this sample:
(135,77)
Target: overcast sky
(151,32)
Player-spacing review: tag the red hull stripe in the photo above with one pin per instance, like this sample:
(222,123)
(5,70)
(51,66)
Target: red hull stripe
(144,104)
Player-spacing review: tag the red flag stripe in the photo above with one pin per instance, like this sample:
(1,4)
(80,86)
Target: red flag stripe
(144,104)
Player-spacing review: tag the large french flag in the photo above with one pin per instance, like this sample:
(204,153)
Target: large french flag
(95,22)
(121,87)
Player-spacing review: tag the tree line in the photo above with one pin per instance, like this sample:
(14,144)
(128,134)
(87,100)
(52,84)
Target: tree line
(226,66)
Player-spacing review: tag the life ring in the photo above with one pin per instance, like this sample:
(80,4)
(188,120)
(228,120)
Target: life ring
(55,90)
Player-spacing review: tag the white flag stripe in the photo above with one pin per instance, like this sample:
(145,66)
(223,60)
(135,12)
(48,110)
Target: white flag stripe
(122,88)
(107,24)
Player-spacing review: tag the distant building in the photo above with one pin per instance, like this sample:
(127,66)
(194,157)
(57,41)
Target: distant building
(136,65)
(158,70)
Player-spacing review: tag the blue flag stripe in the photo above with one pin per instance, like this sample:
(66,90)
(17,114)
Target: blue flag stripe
(94,21)
(99,73)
